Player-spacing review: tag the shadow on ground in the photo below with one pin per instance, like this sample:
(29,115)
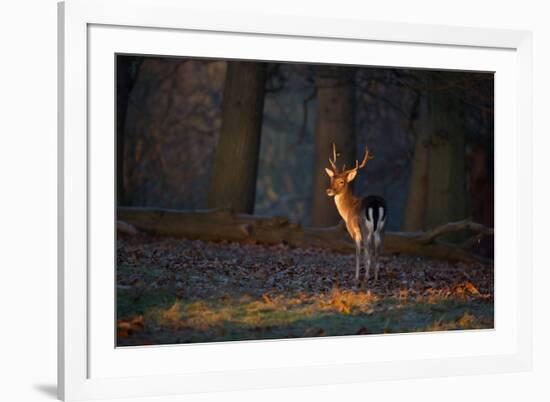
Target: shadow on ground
(179,291)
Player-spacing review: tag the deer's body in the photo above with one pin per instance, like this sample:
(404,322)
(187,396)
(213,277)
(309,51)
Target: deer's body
(365,218)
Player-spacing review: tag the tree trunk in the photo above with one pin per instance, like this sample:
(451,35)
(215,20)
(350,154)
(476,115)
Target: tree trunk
(335,122)
(437,189)
(415,210)
(233,183)
(447,174)
(126,72)
(481,185)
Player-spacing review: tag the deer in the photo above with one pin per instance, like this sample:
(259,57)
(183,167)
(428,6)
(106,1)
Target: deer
(364,218)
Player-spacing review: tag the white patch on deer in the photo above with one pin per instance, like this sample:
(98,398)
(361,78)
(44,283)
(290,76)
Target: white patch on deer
(381,219)
(370,220)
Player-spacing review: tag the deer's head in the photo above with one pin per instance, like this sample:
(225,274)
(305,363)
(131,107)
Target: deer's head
(340,179)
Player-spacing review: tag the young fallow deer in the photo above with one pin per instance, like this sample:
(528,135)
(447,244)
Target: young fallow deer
(365,218)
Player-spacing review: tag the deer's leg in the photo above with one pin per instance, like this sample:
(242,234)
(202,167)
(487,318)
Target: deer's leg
(377,243)
(368,255)
(357,258)
(368,242)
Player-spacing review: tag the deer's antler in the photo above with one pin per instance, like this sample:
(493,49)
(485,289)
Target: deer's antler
(333,161)
(358,166)
(367,158)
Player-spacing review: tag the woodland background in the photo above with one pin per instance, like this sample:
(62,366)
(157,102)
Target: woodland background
(431,133)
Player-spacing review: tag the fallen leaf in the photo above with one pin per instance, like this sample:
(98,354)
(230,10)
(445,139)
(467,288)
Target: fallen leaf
(472,289)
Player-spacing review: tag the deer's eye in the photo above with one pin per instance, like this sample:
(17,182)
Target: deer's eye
(340,182)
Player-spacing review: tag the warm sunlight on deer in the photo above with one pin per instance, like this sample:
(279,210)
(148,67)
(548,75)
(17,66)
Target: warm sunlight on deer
(365,218)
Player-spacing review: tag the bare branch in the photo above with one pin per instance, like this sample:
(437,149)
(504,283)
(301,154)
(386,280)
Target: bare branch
(452,227)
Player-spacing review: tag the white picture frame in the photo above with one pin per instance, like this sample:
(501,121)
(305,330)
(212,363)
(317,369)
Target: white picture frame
(91,32)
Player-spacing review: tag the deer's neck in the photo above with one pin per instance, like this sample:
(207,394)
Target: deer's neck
(346,203)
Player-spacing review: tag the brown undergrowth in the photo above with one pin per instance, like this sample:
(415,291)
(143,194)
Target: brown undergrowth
(181,291)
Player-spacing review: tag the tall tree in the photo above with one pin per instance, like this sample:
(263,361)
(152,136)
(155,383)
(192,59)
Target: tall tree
(437,189)
(127,68)
(415,208)
(233,181)
(335,122)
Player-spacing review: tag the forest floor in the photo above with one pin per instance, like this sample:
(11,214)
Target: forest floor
(179,291)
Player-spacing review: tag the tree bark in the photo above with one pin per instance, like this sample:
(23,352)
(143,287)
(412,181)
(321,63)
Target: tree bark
(447,174)
(126,72)
(233,183)
(216,225)
(437,189)
(335,122)
(415,209)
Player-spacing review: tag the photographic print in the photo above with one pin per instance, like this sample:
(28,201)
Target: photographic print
(272,200)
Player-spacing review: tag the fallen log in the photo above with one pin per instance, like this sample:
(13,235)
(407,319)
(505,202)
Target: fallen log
(223,224)
(126,228)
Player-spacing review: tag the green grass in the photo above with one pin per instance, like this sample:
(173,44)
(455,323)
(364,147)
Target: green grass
(166,319)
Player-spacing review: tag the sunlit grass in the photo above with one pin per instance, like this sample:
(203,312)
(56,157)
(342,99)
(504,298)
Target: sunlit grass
(338,312)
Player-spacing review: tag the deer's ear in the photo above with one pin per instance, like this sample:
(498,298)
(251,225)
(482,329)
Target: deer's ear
(351,175)
(329,172)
